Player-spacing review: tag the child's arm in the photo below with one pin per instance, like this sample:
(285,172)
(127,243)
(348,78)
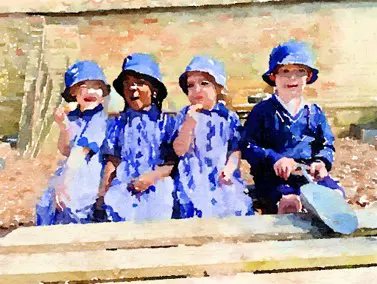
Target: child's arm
(151,178)
(253,137)
(167,155)
(232,164)
(111,151)
(184,139)
(326,140)
(75,160)
(323,160)
(108,174)
(64,140)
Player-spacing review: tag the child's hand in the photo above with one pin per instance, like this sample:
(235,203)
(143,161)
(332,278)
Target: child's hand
(225,177)
(61,196)
(144,181)
(284,167)
(290,203)
(60,117)
(192,113)
(318,170)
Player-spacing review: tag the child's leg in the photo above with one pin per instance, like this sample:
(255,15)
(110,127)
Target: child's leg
(66,217)
(233,201)
(45,209)
(176,214)
(157,202)
(189,211)
(290,203)
(329,182)
(121,203)
(99,211)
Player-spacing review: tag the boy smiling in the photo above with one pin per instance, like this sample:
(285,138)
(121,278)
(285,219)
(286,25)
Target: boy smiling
(285,130)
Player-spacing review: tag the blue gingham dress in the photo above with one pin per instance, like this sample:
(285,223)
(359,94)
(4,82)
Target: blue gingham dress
(198,190)
(141,139)
(86,129)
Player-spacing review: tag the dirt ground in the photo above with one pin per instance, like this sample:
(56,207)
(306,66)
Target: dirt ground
(23,181)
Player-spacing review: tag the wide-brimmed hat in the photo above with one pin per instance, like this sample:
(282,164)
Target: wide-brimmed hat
(292,52)
(204,64)
(145,65)
(82,71)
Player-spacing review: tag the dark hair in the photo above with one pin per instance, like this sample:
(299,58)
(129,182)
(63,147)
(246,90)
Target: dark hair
(275,71)
(157,85)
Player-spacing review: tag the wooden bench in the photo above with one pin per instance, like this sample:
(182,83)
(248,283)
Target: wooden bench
(187,251)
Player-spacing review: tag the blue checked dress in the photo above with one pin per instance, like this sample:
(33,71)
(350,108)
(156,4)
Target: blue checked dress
(198,191)
(141,139)
(86,129)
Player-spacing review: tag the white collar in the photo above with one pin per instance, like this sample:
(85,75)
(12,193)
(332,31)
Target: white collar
(291,106)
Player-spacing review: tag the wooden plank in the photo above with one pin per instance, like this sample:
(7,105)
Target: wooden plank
(155,234)
(209,259)
(349,276)
(171,233)
(76,6)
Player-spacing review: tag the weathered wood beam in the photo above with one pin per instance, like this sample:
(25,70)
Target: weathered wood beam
(76,6)
(349,276)
(197,232)
(209,259)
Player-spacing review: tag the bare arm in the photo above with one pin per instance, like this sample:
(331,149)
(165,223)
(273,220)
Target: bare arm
(163,171)
(75,160)
(233,162)
(151,178)
(184,139)
(108,174)
(63,142)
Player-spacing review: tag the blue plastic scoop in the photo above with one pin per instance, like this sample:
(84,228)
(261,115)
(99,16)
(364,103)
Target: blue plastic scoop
(328,205)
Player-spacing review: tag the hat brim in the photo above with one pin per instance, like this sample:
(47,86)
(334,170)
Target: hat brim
(267,79)
(118,83)
(183,80)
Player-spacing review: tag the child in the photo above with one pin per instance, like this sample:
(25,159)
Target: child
(74,188)
(208,180)
(284,130)
(138,150)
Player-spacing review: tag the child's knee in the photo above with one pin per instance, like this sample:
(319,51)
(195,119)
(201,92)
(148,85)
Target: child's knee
(290,203)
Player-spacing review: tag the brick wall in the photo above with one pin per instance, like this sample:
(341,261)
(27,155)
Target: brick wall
(343,35)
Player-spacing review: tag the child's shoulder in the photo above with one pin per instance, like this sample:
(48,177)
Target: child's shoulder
(113,119)
(227,113)
(265,106)
(113,116)
(184,110)
(168,115)
(316,109)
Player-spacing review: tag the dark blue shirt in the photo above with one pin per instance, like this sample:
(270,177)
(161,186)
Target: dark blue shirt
(271,133)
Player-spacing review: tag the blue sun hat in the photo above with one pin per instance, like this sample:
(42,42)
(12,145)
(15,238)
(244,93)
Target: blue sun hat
(291,52)
(82,71)
(141,64)
(204,64)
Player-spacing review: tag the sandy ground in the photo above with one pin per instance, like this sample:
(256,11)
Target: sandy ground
(23,181)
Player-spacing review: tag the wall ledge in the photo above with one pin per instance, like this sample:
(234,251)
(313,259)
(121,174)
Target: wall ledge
(81,6)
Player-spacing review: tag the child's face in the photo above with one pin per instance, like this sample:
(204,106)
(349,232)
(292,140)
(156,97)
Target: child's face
(291,79)
(202,89)
(137,92)
(89,94)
